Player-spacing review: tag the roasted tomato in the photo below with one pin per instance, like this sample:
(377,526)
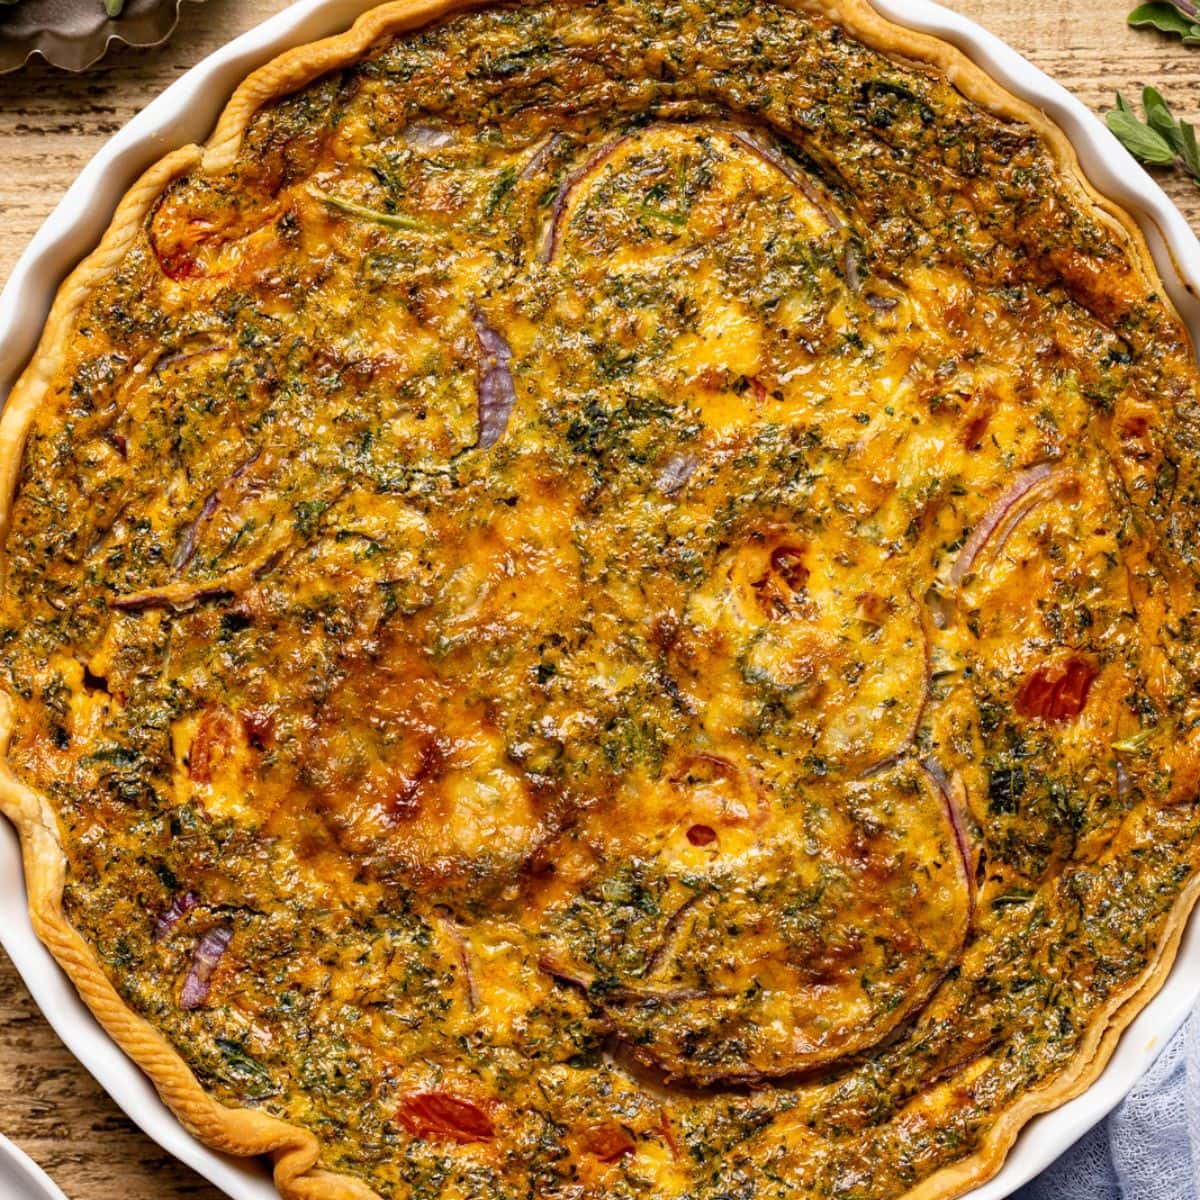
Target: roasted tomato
(608,1141)
(440,1116)
(217,733)
(1056,691)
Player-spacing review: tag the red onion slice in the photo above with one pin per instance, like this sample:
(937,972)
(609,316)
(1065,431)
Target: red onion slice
(184,594)
(586,980)
(668,940)
(628,993)
(572,975)
(428,136)
(497,394)
(462,950)
(750,141)
(677,471)
(542,155)
(187,544)
(933,769)
(910,738)
(1036,495)
(983,531)
(208,954)
(568,186)
(850,264)
(180,906)
(172,358)
(773,158)
(1122,781)
(178,597)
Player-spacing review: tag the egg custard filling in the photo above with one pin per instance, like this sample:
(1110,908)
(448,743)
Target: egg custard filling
(606,608)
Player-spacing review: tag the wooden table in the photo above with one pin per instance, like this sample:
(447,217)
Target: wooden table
(50,125)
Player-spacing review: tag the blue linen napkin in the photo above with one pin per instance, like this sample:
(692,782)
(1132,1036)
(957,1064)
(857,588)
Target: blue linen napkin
(1148,1148)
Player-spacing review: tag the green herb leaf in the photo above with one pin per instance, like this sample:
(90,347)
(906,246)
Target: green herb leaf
(505,182)
(1167,18)
(392,220)
(1188,150)
(1140,140)
(245,1072)
(1179,135)
(660,214)
(1160,140)
(1158,117)
(1136,741)
(113,7)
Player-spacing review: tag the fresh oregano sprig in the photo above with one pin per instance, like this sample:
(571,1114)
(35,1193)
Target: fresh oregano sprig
(1178,17)
(1160,140)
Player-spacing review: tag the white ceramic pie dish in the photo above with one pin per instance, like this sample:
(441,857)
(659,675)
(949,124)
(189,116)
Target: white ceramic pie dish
(186,112)
(21,1178)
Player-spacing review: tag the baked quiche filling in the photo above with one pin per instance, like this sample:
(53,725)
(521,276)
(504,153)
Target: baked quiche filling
(611,612)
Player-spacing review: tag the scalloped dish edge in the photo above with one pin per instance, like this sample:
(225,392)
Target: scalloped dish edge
(80,52)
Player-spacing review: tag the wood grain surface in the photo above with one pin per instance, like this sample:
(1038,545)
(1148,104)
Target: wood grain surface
(50,125)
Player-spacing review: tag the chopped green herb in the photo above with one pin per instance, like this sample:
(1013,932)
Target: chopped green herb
(392,220)
(1136,741)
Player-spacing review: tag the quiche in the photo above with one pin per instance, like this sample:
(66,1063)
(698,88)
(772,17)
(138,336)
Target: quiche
(599,601)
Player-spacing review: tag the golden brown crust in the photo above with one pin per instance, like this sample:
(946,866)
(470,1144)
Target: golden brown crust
(245,1132)
(1098,1048)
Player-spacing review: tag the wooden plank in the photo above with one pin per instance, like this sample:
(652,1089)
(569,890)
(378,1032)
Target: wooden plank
(1086,46)
(53,1109)
(50,125)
